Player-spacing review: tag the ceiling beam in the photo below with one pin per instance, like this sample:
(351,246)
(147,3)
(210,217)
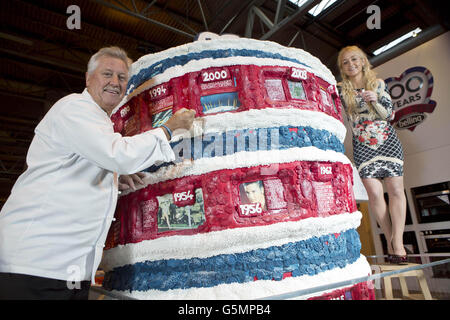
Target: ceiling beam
(214,20)
(348,15)
(279,14)
(245,7)
(19,120)
(26,55)
(205,23)
(90,38)
(144,18)
(290,20)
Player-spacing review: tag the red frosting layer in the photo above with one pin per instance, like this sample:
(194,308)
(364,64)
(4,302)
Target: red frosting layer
(254,87)
(360,291)
(292,191)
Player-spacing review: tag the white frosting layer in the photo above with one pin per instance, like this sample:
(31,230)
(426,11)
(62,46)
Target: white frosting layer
(263,118)
(229,241)
(241,159)
(261,288)
(237,44)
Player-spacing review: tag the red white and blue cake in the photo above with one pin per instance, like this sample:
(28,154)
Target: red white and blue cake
(259,200)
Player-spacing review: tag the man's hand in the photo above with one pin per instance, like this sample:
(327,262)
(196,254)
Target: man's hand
(182,119)
(130,181)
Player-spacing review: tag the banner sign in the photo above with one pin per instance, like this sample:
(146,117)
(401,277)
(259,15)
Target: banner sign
(411,97)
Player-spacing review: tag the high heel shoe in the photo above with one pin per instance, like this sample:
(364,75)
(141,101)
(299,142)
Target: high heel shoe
(398,259)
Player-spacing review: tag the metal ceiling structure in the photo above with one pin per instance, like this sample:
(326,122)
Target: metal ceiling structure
(42,58)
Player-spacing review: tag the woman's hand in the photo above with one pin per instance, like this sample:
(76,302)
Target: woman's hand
(369,96)
(130,181)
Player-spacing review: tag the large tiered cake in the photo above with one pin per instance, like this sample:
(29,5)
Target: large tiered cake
(259,200)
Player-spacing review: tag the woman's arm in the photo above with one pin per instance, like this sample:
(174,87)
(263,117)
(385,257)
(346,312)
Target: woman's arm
(381,100)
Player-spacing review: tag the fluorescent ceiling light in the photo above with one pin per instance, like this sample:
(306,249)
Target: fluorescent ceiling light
(298,3)
(317,9)
(397,41)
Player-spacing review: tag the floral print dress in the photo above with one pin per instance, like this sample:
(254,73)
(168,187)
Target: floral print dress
(377,151)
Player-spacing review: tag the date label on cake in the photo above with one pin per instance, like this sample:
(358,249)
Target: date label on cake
(131,123)
(324,172)
(251,209)
(158,92)
(174,217)
(298,74)
(184,198)
(215,75)
(325,197)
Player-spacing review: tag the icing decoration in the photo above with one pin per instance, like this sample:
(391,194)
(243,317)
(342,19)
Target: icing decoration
(360,291)
(306,257)
(299,191)
(261,288)
(228,241)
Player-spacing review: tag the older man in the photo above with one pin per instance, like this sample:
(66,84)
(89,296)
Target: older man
(54,224)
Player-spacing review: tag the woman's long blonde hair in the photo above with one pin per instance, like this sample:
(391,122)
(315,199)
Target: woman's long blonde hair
(347,89)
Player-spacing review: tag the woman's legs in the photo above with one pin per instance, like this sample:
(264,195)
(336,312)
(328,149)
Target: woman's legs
(378,207)
(397,210)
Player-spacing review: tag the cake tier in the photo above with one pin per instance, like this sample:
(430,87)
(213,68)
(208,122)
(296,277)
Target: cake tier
(258,289)
(240,88)
(154,69)
(239,271)
(258,130)
(228,241)
(239,263)
(310,256)
(200,202)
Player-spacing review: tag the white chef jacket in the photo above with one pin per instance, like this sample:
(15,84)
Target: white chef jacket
(55,222)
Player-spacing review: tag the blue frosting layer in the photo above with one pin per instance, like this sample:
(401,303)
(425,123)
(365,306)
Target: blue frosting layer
(161,66)
(306,257)
(230,142)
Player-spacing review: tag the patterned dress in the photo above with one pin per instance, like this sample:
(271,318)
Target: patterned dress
(377,151)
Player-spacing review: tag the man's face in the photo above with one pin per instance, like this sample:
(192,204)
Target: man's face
(108,82)
(254,193)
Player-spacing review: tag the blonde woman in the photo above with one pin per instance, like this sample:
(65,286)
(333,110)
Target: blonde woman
(377,150)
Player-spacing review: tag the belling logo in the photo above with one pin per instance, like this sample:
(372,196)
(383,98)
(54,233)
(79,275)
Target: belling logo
(410,120)
(411,97)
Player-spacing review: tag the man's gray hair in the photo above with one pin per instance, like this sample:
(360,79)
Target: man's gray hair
(114,52)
